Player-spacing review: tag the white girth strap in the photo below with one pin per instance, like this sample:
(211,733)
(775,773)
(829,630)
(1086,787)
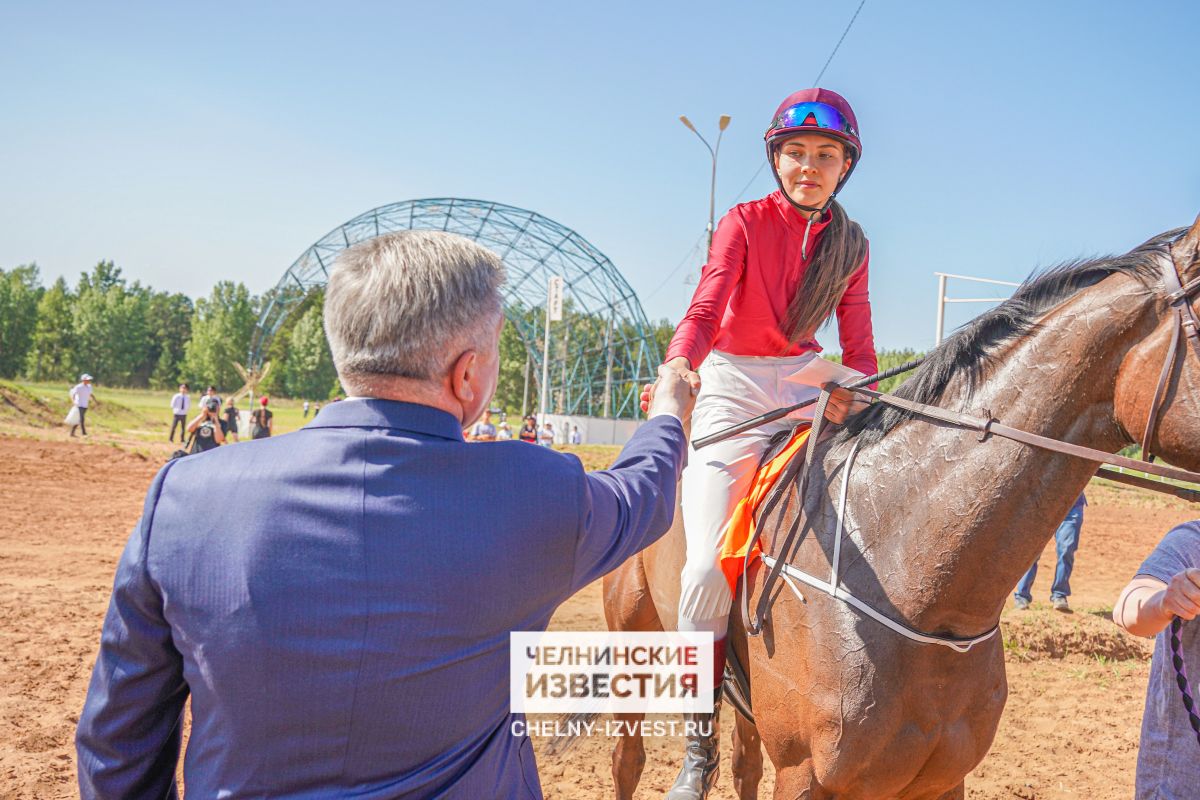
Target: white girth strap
(833,586)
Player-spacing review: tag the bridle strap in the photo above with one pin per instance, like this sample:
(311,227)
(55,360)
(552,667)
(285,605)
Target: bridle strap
(1164,378)
(1179,298)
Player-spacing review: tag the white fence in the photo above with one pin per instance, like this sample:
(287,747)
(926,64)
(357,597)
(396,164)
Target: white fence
(592,430)
(943,299)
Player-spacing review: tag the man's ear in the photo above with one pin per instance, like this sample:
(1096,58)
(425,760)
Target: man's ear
(462,376)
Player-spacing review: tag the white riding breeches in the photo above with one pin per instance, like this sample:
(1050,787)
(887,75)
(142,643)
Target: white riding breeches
(733,389)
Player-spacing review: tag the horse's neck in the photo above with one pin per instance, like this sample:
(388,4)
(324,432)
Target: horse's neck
(968,518)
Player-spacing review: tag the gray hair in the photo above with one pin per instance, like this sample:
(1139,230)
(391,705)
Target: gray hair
(399,304)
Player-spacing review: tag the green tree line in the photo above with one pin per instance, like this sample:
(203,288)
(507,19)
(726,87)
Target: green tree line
(130,335)
(127,334)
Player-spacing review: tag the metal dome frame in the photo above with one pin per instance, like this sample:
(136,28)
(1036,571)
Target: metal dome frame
(599,357)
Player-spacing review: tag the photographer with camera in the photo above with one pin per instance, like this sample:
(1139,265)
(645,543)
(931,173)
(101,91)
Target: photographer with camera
(206,429)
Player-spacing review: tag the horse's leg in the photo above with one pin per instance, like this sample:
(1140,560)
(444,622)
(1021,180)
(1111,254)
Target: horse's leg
(957,793)
(629,607)
(797,782)
(747,758)
(628,756)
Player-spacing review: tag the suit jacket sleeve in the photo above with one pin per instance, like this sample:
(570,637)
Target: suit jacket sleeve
(129,732)
(630,505)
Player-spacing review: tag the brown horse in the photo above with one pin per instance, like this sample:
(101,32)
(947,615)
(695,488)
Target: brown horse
(938,528)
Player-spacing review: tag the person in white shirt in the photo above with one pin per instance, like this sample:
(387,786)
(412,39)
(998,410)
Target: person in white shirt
(505,433)
(81,396)
(576,436)
(483,430)
(180,404)
(546,435)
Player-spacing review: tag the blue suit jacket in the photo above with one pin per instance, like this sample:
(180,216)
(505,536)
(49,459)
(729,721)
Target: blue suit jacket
(337,602)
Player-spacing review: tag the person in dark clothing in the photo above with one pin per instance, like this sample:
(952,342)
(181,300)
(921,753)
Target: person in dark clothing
(261,425)
(528,432)
(207,428)
(231,419)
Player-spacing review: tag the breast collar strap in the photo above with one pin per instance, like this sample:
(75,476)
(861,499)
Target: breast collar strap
(834,588)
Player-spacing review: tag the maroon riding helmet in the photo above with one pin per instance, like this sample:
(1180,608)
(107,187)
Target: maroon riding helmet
(814,111)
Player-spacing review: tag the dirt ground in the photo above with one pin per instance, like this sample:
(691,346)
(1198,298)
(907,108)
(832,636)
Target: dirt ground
(1070,729)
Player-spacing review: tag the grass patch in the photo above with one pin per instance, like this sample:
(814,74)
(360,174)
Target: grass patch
(593,456)
(45,405)
(19,404)
(1044,633)
(135,413)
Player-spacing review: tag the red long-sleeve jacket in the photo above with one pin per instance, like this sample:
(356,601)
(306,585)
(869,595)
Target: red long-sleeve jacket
(754,270)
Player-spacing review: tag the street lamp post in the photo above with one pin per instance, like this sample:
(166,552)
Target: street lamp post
(722,124)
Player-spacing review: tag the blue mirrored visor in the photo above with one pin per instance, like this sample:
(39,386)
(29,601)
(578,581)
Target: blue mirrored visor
(811,115)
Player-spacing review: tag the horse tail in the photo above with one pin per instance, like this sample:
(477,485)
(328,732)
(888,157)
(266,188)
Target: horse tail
(569,728)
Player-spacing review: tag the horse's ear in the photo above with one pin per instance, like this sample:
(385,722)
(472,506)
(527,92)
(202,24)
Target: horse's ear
(1186,251)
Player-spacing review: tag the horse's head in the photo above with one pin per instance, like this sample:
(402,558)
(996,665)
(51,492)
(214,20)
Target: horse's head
(1158,388)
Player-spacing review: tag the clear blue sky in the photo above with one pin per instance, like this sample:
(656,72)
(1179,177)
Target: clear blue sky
(197,143)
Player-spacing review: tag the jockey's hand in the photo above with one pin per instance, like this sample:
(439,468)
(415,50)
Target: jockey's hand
(647,397)
(671,394)
(842,404)
(681,365)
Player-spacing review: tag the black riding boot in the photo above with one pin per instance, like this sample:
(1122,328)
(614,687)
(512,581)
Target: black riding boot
(702,758)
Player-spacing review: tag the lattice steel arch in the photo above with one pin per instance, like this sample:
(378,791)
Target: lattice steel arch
(604,341)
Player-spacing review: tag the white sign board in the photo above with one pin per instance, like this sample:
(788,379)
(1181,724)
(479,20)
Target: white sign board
(554,299)
(624,672)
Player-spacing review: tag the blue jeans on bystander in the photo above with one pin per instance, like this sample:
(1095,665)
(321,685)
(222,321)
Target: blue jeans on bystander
(1066,540)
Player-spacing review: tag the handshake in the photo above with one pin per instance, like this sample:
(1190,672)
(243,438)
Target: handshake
(674,393)
(678,384)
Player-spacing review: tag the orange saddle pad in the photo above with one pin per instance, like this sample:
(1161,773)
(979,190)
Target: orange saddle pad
(740,530)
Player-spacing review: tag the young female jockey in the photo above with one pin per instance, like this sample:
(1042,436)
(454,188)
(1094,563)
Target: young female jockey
(778,268)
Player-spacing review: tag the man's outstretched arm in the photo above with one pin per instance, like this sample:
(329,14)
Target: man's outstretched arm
(630,505)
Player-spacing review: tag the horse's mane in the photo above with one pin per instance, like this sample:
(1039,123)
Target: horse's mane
(969,350)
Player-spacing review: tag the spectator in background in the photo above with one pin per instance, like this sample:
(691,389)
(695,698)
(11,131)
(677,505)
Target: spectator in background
(305,409)
(576,436)
(180,404)
(207,428)
(1167,585)
(316,410)
(528,432)
(81,396)
(504,434)
(231,419)
(1066,542)
(483,430)
(546,435)
(261,424)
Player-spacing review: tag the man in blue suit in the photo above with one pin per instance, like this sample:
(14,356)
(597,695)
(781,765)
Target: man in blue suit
(340,613)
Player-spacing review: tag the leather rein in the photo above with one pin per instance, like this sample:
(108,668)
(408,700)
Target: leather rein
(1179,298)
